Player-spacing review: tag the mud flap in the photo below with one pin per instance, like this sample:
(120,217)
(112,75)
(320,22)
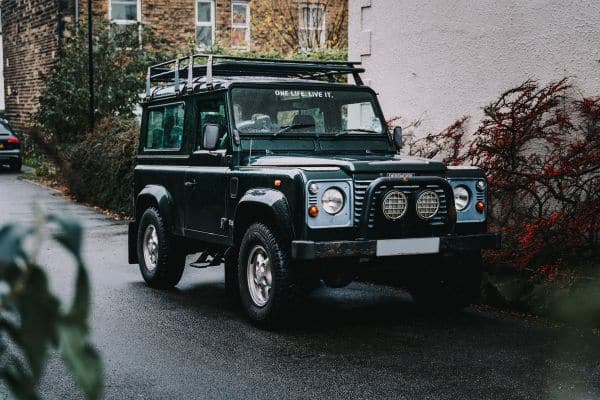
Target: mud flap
(132,243)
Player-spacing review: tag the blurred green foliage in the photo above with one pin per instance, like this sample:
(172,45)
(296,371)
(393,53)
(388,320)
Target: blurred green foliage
(32,319)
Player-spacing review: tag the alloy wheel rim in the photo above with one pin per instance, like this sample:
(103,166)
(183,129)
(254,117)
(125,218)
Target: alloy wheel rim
(150,247)
(259,275)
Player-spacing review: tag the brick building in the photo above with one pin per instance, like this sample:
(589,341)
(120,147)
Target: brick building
(1,70)
(34,31)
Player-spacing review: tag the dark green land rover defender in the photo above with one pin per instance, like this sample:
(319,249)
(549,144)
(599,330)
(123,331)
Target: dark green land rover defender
(290,178)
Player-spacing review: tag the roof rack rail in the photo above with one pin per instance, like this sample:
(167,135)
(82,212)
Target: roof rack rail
(170,72)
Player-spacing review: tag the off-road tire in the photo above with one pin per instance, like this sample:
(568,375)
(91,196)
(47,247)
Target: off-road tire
(449,284)
(285,290)
(170,261)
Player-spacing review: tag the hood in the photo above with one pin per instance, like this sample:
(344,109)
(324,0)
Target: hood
(354,164)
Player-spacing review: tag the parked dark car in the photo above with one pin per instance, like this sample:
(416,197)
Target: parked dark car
(10,147)
(291,179)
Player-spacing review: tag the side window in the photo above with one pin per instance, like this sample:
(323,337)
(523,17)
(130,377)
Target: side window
(165,127)
(212,111)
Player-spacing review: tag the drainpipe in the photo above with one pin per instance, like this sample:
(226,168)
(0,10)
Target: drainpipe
(76,17)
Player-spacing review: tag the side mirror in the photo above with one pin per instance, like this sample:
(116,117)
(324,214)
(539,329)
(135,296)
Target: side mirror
(398,142)
(210,136)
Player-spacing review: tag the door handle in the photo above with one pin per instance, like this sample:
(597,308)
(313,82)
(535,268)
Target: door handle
(190,184)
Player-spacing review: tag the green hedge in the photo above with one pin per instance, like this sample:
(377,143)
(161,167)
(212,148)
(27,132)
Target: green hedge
(103,164)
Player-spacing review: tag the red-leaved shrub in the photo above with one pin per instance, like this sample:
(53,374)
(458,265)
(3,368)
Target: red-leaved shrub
(540,149)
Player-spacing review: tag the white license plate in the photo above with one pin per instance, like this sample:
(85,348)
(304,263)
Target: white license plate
(398,247)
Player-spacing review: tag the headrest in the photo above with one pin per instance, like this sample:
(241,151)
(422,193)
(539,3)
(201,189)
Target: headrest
(303,120)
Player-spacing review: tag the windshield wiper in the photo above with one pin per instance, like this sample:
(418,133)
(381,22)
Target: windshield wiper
(347,131)
(293,126)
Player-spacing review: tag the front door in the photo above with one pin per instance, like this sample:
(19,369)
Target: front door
(206,178)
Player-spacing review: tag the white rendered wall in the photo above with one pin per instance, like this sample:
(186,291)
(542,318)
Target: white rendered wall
(439,60)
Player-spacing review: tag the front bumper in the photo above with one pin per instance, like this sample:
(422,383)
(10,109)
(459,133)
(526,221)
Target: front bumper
(309,250)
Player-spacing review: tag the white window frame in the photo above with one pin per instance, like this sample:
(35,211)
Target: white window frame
(306,27)
(200,24)
(137,21)
(245,25)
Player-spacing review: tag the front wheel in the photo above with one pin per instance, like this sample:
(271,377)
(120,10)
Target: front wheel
(267,286)
(448,283)
(161,264)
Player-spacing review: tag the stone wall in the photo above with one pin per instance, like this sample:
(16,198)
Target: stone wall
(275,24)
(31,39)
(173,22)
(1,72)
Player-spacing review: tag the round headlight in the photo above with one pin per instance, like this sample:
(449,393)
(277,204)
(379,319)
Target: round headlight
(332,201)
(428,204)
(394,205)
(461,198)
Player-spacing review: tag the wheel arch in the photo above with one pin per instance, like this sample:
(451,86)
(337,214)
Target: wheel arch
(263,205)
(159,197)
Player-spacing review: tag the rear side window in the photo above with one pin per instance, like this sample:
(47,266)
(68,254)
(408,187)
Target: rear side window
(165,127)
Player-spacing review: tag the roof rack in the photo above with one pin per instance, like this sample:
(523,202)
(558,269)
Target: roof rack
(170,72)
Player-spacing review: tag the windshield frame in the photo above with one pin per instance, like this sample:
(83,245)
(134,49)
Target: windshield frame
(309,86)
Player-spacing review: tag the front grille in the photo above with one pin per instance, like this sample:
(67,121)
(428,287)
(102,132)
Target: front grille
(360,188)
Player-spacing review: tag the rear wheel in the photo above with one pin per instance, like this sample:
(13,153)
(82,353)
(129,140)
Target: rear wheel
(161,264)
(266,284)
(449,284)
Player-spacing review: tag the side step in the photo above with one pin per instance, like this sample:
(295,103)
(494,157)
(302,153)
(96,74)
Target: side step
(208,259)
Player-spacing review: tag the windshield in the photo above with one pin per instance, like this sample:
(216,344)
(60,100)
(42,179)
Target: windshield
(281,111)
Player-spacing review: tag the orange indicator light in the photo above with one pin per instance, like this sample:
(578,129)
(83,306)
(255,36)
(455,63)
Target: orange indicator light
(277,183)
(313,211)
(480,206)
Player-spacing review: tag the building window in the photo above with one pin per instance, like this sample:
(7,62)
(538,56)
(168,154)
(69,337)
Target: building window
(205,23)
(125,17)
(312,26)
(240,24)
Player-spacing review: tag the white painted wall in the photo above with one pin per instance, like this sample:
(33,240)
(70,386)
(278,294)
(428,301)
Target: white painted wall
(441,59)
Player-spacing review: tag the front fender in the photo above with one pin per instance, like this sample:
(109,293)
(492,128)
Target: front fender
(268,200)
(159,196)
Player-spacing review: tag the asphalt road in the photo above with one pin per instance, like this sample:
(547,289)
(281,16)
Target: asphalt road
(362,342)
